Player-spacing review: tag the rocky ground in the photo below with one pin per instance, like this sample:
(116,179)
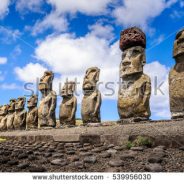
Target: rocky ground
(16,156)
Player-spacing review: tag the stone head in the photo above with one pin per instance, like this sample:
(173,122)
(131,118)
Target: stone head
(68,89)
(91,78)
(46,81)
(178,50)
(4,110)
(20,103)
(32,102)
(12,105)
(132,43)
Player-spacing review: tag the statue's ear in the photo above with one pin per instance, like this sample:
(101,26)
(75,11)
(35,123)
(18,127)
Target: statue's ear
(97,75)
(144,59)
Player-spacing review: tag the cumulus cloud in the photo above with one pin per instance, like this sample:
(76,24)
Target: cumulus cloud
(4,8)
(83,6)
(3,60)
(30,73)
(32,5)
(7,35)
(54,21)
(140,12)
(57,20)
(160,91)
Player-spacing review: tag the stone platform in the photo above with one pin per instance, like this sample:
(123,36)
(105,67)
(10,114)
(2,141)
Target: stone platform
(167,132)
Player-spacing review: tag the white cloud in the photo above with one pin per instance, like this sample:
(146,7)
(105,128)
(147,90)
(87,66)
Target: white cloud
(53,21)
(8,35)
(3,60)
(160,95)
(83,6)
(4,8)
(31,5)
(16,51)
(30,73)
(102,31)
(57,20)
(11,86)
(140,12)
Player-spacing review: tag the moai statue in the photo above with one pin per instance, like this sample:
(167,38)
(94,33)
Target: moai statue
(46,109)
(176,78)
(3,117)
(32,114)
(135,86)
(11,114)
(19,122)
(68,105)
(91,101)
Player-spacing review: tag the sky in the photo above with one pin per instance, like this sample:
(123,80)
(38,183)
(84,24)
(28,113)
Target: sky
(69,36)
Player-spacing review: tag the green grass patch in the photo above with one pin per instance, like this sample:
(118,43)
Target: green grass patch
(2,139)
(139,141)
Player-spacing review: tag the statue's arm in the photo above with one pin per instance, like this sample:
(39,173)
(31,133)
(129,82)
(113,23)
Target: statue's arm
(98,102)
(74,108)
(53,104)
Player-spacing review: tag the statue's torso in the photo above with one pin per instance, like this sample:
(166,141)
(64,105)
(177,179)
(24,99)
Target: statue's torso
(10,120)
(66,108)
(19,119)
(32,118)
(89,103)
(3,125)
(132,99)
(176,90)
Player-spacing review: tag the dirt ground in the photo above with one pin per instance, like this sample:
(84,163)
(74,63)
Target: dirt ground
(51,156)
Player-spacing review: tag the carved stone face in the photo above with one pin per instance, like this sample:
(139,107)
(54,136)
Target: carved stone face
(68,89)
(32,102)
(4,110)
(46,81)
(133,60)
(90,79)
(20,103)
(12,105)
(178,50)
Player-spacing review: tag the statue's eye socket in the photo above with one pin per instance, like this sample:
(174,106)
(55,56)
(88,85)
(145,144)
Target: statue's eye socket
(135,52)
(123,55)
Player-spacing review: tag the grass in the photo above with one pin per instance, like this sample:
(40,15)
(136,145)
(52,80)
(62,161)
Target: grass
(2,139)
(139,141)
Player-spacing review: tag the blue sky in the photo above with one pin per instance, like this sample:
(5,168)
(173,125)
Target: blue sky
(68,36)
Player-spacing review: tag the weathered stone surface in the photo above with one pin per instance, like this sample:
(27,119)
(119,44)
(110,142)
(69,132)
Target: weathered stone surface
(90,138)
(138,148)
(68,105)
(85,154)
(155,167)
(79,164)
(135,89)
(128,155)
(46,109)
(3,117)
(23,165)
(176,75)
(37,169)
(116,163)
(90,159)
(91,101)
(13,162)
(20,114)
(60,162)
(112,151)
(11,114)
(32,114)
(105,155)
